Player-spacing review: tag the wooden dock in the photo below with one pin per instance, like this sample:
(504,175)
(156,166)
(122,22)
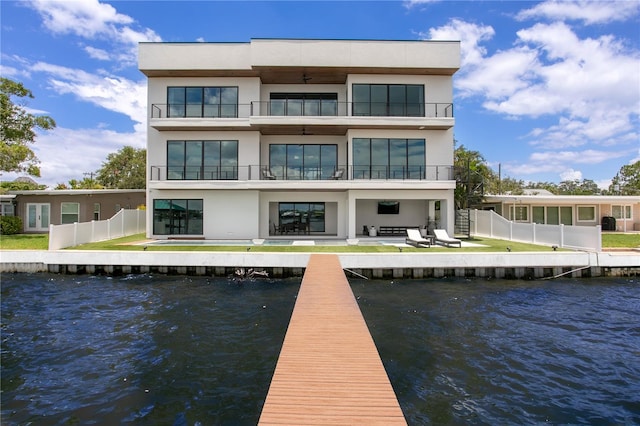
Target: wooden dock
(329,370)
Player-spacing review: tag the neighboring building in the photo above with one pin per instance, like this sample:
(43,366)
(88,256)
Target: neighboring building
(307,137)
(41,208)
(613,212)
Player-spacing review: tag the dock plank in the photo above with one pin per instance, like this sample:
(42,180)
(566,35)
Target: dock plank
(329,370)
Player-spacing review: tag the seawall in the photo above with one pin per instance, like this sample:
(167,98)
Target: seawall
(519,265)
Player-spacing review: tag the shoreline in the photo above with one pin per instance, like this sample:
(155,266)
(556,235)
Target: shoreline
(518,265)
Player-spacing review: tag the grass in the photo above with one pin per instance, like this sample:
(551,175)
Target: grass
(491,245)
(24,242)
(41,242)
(610,240)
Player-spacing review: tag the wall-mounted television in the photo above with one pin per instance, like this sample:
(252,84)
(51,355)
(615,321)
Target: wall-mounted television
(388,207)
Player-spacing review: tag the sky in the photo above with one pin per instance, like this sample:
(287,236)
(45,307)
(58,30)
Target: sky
(546,92)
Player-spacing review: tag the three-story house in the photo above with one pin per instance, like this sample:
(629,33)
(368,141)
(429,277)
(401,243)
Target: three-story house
(312,138)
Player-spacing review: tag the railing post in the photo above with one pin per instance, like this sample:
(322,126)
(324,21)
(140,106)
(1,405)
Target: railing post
(533,232)
(51,236)
(562,235)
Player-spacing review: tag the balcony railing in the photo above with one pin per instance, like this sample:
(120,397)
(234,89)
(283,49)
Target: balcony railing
(291,108)
(300,173)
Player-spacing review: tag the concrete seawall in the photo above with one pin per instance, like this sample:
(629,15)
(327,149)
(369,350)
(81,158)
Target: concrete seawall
(525,265)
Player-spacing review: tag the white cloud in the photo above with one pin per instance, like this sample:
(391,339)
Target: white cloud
(587,11)
(71,152)
(108,91)
(411,3)
(592,84)
(93,20)
(571,174)
(68,153)
(470,36)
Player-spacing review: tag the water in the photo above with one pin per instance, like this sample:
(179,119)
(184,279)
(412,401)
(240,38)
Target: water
(194,350)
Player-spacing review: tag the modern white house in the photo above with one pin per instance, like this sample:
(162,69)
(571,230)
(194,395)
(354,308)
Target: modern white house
(312,138)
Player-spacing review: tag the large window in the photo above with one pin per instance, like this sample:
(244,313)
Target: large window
(310,104)
(301,217)
(202,160)
(202,102)
(621,212)
(403,100)
(586,213)
(379,158)
(70,212)
(177,217)
(303,162)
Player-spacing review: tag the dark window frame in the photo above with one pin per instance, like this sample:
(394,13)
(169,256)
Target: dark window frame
(386,108)
(173,219)
(204,107)
(323,172)
(204,169)
(410,169)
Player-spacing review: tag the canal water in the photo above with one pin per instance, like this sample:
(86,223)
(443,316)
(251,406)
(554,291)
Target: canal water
(177,350)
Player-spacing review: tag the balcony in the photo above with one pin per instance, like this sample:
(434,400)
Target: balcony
(278,174)
(287,116)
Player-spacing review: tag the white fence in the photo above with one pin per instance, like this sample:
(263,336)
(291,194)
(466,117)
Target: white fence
(490,224)
(123,223)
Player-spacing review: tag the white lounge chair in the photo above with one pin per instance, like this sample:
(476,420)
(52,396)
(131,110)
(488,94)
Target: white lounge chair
(415,239)
(441,236)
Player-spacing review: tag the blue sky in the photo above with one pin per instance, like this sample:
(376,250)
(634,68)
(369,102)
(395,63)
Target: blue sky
(549,91)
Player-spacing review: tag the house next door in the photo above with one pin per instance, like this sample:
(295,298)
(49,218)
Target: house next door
(38,217)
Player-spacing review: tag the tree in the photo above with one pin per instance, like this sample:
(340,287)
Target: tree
(125,169)
(18,130)
(472,175)
(627,180)
(577,187)
(86,183)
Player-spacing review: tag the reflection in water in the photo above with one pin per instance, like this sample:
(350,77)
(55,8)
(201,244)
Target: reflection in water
(195,350)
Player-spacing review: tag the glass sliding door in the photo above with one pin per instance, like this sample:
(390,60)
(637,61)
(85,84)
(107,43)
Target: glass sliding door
(379,158)
(177,217)
(301,218)
(303,162)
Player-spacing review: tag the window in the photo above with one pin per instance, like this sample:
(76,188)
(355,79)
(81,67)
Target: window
(303,162)
(301,217)
(621,212)
(202,160)
(96,211)
(519,213)
(70,212)
(177,217)
(586,213)
(310,104)
(6,209)
(398,100)
(537,213)
(379,158)
(202,102)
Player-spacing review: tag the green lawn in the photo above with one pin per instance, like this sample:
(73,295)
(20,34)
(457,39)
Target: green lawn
(41,242)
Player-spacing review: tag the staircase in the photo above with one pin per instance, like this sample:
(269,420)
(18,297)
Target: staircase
(463,223)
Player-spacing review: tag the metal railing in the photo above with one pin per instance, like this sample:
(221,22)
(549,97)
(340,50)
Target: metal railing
(301,173)
(306,108)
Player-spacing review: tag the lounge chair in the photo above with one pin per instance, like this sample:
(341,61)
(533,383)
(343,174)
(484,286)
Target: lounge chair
(441,236)
(415,239)
(337,175)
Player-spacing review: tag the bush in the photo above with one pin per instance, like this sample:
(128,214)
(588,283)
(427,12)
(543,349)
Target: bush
(10,225)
